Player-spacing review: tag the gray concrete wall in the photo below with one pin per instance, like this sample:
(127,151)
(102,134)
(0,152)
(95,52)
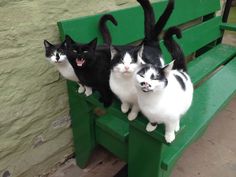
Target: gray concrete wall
(34,120)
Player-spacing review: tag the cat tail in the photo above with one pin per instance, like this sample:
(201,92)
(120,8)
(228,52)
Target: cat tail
(160,24)
(149,19)
(175,50)
(103,28)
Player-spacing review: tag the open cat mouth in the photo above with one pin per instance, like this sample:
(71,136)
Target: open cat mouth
(146,90)
(80,62)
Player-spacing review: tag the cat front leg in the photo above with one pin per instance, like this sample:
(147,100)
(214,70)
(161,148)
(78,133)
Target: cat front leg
(125,107)
(170,129)
(88,91)
(81,88)
(133,113)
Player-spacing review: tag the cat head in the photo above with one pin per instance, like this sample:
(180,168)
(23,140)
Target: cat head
(152,77)
(81,55)
(124,60)
(56,54)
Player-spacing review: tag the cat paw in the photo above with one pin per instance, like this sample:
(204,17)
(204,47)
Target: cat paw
(81,89)
(132,116)
(124,107)
(88,91)
(151,127)
(169,137)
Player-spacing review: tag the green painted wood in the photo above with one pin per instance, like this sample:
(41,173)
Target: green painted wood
(130,20)
(198,70)
(82,126)
(197,37)
(228,26)
(209,98)
(208,62)
(112,143)
(114,126)
(145,154)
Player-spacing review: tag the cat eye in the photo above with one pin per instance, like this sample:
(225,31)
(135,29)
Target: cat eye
(141,75)
(85,51)
(74,51)
(153,77)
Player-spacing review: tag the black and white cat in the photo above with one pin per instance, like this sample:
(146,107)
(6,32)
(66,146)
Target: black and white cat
(165,93)
(126,60)
(56,54)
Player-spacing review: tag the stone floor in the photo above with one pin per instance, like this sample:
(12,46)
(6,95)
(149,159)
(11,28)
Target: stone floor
(213,155)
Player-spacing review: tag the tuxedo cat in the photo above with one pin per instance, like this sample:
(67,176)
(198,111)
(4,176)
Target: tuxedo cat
(125,61)
(165,93)
(56,54)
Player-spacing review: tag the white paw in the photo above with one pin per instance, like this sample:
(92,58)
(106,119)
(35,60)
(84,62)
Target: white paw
(88,91)
(81,89)
(151,127)
(124,107)
(132,115)
(170,137)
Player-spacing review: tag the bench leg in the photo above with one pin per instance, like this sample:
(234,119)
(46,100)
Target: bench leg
(145,154)
(82,127)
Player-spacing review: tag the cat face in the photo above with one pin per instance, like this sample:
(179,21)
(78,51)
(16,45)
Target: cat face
(56,54)
(151,78)
(124,62)
(81,56)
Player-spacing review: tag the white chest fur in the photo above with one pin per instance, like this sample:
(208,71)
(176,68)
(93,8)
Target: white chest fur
(66,70)
(123,87)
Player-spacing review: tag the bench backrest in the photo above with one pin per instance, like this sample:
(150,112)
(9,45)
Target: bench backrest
(131,24)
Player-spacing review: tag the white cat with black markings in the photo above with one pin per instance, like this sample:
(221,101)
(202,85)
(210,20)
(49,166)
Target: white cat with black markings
(165,93)
(124,63)
(56,54)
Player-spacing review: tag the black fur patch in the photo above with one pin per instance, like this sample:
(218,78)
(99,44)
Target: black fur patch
(181,82)
(183,74)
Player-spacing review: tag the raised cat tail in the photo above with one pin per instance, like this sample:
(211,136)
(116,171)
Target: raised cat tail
(175,50)
(103,28)
(149,18)
(159,26)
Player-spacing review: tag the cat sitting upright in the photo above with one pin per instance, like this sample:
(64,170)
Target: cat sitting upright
(126,60)
(56,54)
(165,93)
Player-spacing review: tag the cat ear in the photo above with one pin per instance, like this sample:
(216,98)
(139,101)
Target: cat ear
(168,68)
(47,44)
(93,44)
(140,54)
(113,51)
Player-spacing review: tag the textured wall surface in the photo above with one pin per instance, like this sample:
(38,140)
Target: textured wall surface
(34,121)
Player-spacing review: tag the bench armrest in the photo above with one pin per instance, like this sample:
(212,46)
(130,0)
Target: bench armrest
(227,26)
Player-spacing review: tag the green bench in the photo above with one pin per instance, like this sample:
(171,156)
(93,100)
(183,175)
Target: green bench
(213,72)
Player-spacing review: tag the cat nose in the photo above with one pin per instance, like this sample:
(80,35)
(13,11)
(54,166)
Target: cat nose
(126,67)
(144,83)
(57,57)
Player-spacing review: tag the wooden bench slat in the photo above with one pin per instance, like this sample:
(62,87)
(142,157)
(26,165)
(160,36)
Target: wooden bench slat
(115,126)
(207,63)
(196,37)
(131,21)
(209,98)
